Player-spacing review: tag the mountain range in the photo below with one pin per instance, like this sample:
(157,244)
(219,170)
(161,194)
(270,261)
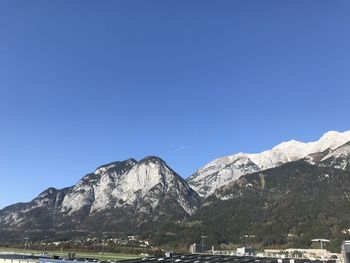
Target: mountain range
(281,197)
(227,169)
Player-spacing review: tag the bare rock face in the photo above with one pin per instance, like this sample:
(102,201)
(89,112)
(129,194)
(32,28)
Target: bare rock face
(137,192)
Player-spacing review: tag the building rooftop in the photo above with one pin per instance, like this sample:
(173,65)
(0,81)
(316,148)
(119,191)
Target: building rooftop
(218,259)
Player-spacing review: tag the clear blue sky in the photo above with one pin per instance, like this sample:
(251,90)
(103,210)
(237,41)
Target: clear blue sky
(83,83)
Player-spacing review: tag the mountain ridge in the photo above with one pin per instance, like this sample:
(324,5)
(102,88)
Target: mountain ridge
(127,188)
(149,198)
(225,169)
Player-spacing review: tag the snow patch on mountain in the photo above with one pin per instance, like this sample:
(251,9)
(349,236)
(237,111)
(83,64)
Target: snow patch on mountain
(224,170)
(338,158)
(341,151)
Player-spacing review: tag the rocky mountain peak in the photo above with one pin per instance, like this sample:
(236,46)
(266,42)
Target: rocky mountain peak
(118,166)
(136,190)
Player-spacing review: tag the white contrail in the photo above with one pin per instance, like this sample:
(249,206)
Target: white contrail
(180,148)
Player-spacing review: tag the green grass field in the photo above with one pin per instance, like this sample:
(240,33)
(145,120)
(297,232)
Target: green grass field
(78,254)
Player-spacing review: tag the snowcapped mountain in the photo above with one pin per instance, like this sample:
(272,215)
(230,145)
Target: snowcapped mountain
(148,198)
(283,204)
(129,190)
(225,170)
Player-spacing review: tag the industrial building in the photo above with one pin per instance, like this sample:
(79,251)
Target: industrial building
(219,259)
(345,248)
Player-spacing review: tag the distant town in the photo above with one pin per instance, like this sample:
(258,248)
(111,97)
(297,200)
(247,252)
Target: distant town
(71,251)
